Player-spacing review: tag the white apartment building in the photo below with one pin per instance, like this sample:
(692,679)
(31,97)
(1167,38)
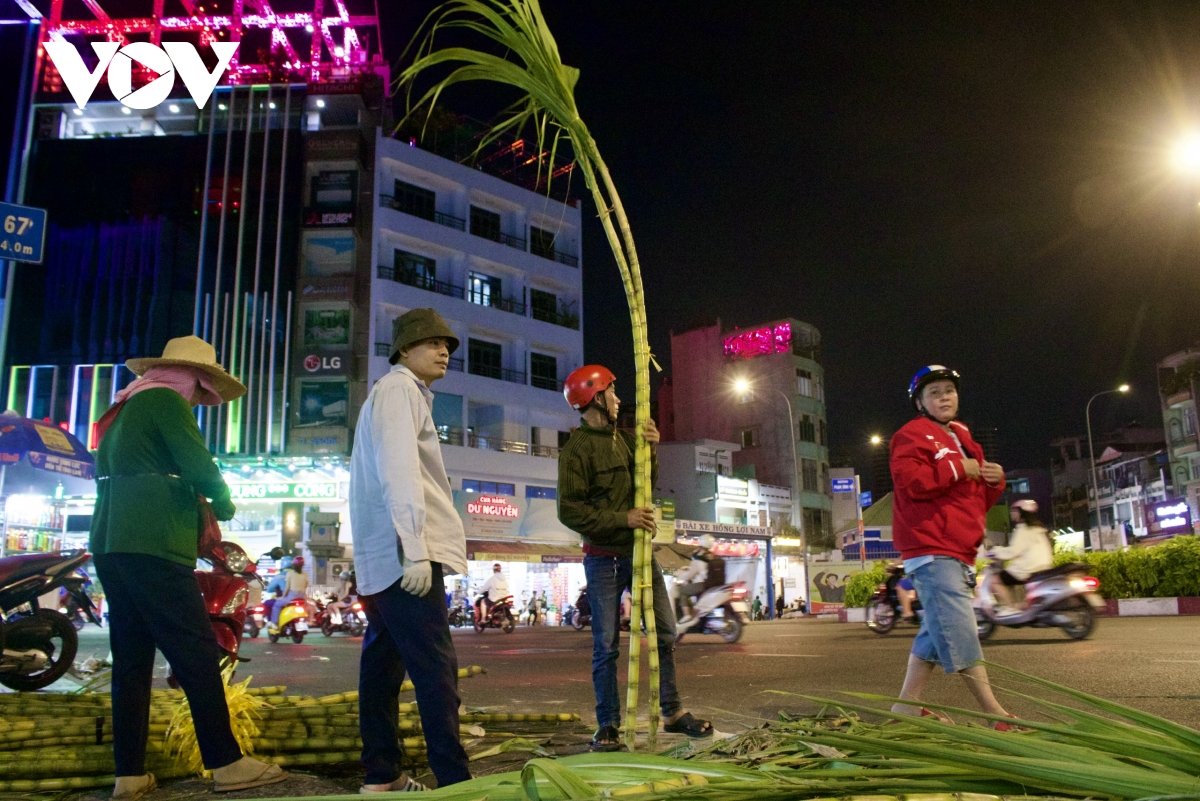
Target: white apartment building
(502,265)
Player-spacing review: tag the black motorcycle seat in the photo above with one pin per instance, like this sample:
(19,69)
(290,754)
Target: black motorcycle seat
(15,568)
(1061,570)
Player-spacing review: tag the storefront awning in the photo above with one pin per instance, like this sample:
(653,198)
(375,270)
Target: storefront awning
(536,552)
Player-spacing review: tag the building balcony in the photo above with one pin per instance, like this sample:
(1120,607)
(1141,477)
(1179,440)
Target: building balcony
(554,255)
(1184,447)
(385,349)
(1178,399)
(544,382)
(456,436)
(415,279)
(557,318)
(509,305)
(514,242)
(504,374)
(448,220)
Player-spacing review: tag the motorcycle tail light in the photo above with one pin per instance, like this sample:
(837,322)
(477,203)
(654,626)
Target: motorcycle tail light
(882,587)
(356,607)
(260,609)
(1092,582)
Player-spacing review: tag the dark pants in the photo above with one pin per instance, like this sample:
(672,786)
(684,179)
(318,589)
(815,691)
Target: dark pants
(405,632)
(156,603)
(607,578)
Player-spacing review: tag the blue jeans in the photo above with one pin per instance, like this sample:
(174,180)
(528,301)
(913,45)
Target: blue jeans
(277,609)
(153,602)
(607,578)
(948,635)
(407,633)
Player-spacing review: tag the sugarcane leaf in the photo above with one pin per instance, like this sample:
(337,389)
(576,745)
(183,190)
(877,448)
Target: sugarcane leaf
(561,777)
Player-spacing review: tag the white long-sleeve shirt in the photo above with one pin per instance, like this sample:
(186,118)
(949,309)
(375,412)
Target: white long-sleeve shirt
(1028,551)
(496,587)
(400,498)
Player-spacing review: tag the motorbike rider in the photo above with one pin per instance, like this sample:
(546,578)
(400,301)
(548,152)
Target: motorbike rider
(596,500)
(704,572)
(347,593)
(295,583)
(494,590)
(906,593)
(943,489)
(1029,550)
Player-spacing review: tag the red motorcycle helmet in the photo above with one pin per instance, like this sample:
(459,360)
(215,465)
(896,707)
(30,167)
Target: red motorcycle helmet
(582,385)
(298,561)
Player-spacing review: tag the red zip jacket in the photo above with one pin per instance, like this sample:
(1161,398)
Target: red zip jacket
(936,509)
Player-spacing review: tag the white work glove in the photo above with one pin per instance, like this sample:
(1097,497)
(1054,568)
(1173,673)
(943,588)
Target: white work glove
(417,578)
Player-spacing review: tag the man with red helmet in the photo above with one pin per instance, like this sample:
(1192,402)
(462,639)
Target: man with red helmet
(595,499)
(943,489)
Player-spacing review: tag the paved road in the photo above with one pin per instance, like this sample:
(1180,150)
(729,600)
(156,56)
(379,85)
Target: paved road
(1150,663)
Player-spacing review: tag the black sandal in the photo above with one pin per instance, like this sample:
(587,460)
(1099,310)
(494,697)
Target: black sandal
(691,726)
(606,738)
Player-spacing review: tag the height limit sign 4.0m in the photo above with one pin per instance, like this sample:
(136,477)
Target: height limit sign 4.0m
(22,233)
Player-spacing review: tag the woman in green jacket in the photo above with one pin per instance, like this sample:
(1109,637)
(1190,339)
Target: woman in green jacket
(151,466)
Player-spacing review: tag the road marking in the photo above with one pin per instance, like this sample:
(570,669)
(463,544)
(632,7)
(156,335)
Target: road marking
(798,656)
(513,651)
(1180,661)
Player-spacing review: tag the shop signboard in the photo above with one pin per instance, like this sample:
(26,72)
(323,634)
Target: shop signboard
(319,440)
(664,518)
(507,518)
(316,218)
(1169,517)
(327,254)
(334,190)
(731,530)
(729,550)
(322,403)
(733,487)
(318,363)
(759,341)
(339,288)
(283,490)
(528,558)
(326,325)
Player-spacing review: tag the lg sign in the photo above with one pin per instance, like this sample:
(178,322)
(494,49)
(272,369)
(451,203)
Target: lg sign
(313,363)
(178,57)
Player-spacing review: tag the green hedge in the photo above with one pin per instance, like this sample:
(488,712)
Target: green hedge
(1161,571)
(861,586)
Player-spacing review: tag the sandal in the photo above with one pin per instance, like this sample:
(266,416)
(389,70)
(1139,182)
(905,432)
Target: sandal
(689,725)
(606,738)
(405,784)
(271,774)
(927,713)
(1001,725)
(150,786)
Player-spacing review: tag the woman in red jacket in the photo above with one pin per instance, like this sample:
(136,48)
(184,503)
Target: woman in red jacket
(943,490)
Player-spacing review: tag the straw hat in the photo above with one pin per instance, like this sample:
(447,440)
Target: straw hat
(192,351)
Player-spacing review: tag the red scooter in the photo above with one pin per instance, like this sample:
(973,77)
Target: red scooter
(226,592)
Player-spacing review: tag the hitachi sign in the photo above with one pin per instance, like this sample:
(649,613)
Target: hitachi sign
(181,56)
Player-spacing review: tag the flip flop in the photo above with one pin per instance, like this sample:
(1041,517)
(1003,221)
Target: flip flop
(1001,725)
(272,774)
(606,738)
(141,792)
(926,713)
(691,726)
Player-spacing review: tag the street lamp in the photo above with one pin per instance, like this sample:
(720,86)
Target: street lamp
(1087,414)
(876,439)
(1187,155)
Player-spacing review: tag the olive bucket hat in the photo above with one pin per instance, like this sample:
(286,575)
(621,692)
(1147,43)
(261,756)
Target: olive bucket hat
(415,325)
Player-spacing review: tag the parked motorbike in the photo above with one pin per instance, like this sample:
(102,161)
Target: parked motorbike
(719,610)
(581,615)
(293,622)
(39,645)
(500,616)
(1062,597)
(70,607)
(226,593)
(884,609)
(353,622)
(462,615)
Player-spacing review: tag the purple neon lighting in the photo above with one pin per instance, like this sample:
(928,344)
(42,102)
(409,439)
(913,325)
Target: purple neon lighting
(759,342)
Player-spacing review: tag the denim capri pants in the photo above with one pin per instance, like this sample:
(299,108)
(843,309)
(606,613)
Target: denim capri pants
(948,634)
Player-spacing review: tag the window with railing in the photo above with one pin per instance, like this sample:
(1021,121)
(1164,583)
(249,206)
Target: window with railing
(414,270)
(485,223)
(482,289)
(822,434)
(806,429)
(485,358)
(1189,421)
(414,200)
(488,487)
(543,305)
(541,242)
(804,383)
(810,482)
(543,371)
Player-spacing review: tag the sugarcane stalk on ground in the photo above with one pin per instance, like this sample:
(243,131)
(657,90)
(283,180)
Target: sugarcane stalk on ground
(549,106)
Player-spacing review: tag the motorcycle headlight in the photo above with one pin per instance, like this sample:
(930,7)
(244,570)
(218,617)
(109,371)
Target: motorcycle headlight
(237,601)
(236,560)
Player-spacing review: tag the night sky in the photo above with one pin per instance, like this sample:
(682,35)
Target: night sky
(988,188)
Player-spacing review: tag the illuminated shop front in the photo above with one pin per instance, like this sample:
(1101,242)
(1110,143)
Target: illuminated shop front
(745,549)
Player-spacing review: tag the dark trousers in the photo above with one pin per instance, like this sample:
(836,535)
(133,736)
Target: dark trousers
(407,633)
(607,578)
(153,603)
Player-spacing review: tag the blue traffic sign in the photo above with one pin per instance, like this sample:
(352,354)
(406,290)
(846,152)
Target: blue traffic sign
(865,499)
(843,485)
(22,232)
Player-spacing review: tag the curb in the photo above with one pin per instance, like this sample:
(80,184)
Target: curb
(1113,607)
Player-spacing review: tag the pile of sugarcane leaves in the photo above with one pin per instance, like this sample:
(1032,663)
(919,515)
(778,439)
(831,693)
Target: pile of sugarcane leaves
(1079,746)
(55,741)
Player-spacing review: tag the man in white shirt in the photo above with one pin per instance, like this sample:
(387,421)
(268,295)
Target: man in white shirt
(494,590)
(407,536)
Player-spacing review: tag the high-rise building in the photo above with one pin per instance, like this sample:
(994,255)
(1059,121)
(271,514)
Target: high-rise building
(763,388)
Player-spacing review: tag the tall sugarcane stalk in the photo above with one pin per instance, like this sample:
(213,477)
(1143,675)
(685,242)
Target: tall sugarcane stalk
(549,106)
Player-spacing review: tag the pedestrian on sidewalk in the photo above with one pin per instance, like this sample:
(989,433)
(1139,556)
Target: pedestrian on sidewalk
(407,536)
(943,489)
(595,499)
(151,466)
